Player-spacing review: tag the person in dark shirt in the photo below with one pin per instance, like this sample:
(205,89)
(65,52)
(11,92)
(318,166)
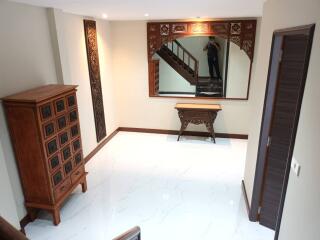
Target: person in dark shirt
(212,49)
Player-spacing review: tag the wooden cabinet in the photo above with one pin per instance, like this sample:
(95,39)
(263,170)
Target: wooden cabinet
(45,133)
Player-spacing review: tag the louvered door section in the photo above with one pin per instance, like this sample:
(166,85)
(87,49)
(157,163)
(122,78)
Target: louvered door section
(45,132)
(286,109)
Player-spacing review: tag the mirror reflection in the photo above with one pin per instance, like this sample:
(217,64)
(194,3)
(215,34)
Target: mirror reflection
(202,66)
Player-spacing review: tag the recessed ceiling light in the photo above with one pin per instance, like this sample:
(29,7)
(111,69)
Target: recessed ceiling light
(104,15)
(146,14)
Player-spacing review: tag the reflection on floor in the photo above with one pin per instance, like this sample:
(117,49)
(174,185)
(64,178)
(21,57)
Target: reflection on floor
(188,190)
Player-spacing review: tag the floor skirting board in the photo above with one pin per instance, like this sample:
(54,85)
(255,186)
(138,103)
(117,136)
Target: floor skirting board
(159,131)
(100,145)
(186,133)
(244,191)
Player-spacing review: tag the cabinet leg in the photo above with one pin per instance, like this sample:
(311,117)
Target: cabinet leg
(84,186)
(32,213)
(56,216)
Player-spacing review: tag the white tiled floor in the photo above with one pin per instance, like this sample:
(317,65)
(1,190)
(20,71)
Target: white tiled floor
(187,190)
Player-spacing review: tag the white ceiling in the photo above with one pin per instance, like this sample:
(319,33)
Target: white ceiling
(164,9)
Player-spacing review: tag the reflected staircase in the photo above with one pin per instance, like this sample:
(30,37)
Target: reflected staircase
(181,60)
(207,87)
(185,64)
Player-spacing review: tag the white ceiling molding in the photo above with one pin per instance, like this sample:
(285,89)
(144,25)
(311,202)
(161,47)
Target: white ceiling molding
(156,9)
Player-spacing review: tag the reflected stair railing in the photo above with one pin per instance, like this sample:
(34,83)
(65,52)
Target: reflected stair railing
(132,234)
(181,60)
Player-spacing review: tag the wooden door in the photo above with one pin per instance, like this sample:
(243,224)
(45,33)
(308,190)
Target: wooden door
(286,109)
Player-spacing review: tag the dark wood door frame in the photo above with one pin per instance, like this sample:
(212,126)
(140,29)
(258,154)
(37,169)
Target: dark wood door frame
(275,55)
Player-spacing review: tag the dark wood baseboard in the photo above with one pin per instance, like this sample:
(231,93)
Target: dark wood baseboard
(187,133)
(100,145)
(244,192)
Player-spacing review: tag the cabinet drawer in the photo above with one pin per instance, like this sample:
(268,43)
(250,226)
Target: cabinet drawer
(62,122)
(57,178)
(60,105)
(52,146)
(73,116)
(63,138)
(76,145)
(66,153)
(46,111)
(68,168)
(72,100)
(62,189)
(54,162)
(78,158)
(74,131)
(77,174)
(48,129)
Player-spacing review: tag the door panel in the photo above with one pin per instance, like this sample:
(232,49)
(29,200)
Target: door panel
(282,132)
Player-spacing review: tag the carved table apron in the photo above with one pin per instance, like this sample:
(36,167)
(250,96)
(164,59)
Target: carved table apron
(198,114)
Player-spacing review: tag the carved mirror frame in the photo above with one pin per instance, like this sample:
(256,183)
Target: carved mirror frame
(240,32)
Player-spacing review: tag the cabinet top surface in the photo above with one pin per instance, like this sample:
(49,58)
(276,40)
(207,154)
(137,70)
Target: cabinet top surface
(39,94)
(216,107)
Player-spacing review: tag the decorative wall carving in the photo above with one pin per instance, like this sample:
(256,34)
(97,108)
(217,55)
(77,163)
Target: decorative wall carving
(95,80)
(240,32)
(164,29)
(180,28)
(199,27)
(235,28)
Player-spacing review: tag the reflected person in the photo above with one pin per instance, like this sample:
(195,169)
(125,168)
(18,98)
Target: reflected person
(212,49)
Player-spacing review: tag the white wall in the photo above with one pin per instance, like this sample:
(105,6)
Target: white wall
(41,47)
(301,212)
(73,59)
(26,61)
(137,108)
(8,209)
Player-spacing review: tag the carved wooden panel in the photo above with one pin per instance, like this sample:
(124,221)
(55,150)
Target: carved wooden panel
(240,32)
(95,80)
(154,77)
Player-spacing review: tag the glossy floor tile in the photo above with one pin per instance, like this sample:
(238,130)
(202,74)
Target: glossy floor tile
(187,190)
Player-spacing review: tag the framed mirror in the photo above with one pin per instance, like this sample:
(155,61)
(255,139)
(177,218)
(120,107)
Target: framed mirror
(201,59)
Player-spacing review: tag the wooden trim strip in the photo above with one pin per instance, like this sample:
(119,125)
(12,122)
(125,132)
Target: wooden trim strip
(7,231)
(187,133)
(244,192)
(134,233)
(101,145)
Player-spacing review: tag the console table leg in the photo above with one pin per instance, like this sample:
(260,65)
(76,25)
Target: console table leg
(184,125)
(210,129)
(213,135)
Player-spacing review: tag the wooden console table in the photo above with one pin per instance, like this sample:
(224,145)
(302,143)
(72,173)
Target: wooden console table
(198,114)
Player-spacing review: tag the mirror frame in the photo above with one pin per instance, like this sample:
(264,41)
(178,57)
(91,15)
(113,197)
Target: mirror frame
(241,32)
